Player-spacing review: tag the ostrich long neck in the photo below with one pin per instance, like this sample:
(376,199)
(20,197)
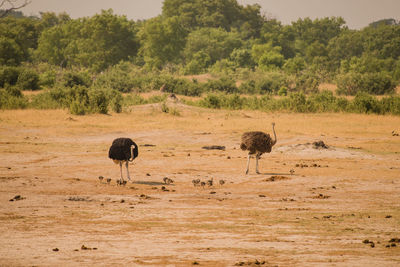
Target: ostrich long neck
(132,147)
(273,129)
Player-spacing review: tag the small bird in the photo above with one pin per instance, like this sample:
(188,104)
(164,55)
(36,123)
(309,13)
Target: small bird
(202,184)
(168,180)
(196,182)
(101,178)
(291,171)
(108,180)
(221,182)
(119,182)
(124,183)
(210,182)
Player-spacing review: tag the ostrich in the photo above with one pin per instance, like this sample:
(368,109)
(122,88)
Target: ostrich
(123,150)
(257,143)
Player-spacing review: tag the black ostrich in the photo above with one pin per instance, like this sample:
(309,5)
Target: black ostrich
(123,150)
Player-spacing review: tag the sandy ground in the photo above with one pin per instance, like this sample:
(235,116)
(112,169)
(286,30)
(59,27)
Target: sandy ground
(318,215)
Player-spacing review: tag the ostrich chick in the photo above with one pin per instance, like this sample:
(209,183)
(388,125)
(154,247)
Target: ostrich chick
(196,182)
(257,143)
(123,150)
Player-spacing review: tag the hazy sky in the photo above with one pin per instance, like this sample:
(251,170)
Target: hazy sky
(357,13)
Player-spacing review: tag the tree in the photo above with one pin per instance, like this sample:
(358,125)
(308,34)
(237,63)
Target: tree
(8,6)
(10,53)
(97,42)
(216,43)
(225,14)
(267,56)
(22,32)
(162,41)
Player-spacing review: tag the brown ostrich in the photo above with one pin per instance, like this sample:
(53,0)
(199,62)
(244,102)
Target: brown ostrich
(257,143)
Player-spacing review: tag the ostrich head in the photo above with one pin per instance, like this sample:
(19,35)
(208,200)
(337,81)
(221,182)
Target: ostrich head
(134,152)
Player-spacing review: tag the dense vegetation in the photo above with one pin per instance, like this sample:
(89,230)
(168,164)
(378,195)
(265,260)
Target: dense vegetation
(86,64)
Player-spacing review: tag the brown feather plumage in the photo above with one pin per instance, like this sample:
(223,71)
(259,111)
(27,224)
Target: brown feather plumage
(256,142)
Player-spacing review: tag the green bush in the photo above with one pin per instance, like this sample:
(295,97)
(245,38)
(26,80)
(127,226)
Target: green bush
(391,105)
(211,101)
(48,78)
(365,103)
(98,101)
(28,79)
(224,84)
(8,76)
(118,77)
(115,99)
(271,82)
(11,99)
(307,83)
(248,87)
(47,100)
(71,79)
(374,83)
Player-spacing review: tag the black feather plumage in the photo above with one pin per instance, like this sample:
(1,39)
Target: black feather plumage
(121,149)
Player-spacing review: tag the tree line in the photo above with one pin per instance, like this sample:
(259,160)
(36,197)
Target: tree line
(247,51)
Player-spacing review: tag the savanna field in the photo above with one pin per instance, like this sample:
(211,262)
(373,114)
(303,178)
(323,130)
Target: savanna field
(309,206)
(185,86)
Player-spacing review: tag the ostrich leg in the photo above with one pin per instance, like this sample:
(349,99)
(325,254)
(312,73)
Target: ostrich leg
(120,169)
(257,157)
(248,162)
(127,170)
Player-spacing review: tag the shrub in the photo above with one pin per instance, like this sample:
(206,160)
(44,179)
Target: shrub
(98,101)
(365,103)
(233,102)
(48,78)
(378,83)
(307,83)
(47,100)
(374,83)
(298,102)
(11,99)
(224,84)
(28,79)
(323,101)
(118,78)
(71,79)
(115,101)
(8,76)
(271,82)
(391,105)
(248,87)
(211,101)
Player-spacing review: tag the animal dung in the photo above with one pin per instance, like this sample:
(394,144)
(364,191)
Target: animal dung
(213,147)
(148,145)
(221,182)
(274,178)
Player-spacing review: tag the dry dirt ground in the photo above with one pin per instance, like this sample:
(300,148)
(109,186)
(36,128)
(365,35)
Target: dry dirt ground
(340,206)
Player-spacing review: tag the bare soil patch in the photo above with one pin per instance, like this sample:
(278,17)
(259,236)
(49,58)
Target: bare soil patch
(320,208)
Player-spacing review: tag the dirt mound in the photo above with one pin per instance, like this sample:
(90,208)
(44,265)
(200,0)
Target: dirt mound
(320,145)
